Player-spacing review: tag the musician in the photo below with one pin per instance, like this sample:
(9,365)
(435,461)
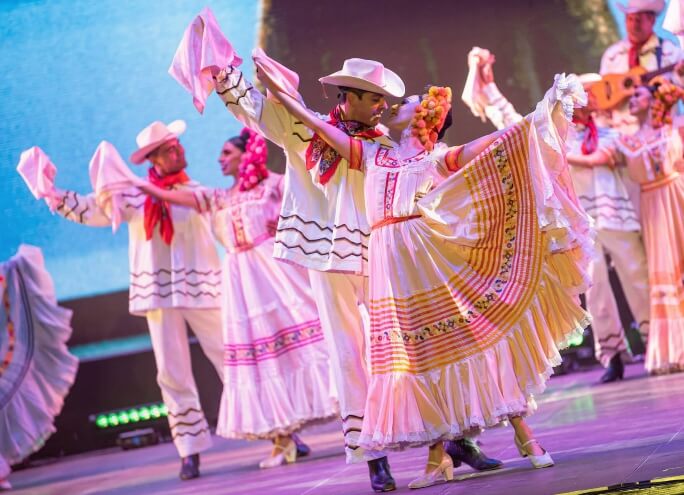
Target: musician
(642,47)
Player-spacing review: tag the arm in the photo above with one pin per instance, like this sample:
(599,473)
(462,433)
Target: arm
(598,158)
(252,108)
(182,197)
(498,109)
(474,148)
(331,134)
(78,208)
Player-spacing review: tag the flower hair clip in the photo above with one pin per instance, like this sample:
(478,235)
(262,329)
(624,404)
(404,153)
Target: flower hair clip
(664,98)
(252,169)
(430,115)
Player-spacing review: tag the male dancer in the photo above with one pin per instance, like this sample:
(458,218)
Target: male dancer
(175,279)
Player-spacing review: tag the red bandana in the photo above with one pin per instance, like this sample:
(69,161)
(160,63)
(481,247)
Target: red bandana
(329,158)
(157,211)
(590,141)
(634,50)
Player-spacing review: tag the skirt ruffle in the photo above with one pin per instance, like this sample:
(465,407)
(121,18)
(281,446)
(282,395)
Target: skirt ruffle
(41,370)
(408,410)
(276,366)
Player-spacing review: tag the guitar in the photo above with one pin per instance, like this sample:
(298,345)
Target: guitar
(613,89)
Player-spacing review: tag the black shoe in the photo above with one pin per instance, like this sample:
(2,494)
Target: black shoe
(465,450)
(380,476)
(302,449)
(189,467)
(615,370)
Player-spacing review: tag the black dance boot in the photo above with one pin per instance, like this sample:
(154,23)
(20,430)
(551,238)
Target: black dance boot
(466,450)
(615,370)
(380,476)
(302,449)
(189,467)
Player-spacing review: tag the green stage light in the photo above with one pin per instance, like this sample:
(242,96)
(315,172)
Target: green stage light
(101,421)
(113,420)
(123,417)
(576,340)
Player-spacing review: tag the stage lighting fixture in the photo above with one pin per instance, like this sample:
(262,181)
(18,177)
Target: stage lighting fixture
(137,438)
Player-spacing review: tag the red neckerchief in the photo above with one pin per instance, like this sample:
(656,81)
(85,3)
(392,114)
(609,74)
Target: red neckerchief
(329,158)
(590,140)
(157,211)
(634,49)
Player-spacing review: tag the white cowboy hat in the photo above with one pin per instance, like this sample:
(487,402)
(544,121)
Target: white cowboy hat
(589,78)
(153,135)
(367,75)
(634,6)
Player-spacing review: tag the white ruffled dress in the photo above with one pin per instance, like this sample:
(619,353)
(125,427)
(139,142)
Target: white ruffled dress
(276,368)
(473,283)
(36,368)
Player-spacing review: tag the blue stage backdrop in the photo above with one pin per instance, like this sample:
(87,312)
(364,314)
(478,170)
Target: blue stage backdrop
(75,72)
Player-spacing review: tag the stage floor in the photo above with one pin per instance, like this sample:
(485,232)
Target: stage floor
(598,435)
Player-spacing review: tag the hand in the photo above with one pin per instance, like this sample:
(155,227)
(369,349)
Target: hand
(53,198)
(483,60)
(486,71)
(221,79)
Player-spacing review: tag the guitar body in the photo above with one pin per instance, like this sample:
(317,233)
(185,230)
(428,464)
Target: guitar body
(613,89)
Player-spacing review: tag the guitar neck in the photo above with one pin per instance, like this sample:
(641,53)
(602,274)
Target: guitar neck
(649,75)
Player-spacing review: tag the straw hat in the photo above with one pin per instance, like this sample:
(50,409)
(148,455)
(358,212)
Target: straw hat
(367,75)
(634,6)
(154,135)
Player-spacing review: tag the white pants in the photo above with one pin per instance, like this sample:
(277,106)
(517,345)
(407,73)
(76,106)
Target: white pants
(626,250)
(338,296)
(189,428)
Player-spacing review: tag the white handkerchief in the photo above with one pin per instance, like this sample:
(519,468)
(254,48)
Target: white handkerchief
(37,171)
(286,79)
(109,175)
(202,53)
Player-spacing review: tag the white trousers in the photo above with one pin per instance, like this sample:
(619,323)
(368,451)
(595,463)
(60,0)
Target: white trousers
(189,428)
(338,296)
(626,250)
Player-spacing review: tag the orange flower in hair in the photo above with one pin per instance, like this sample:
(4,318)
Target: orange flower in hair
(430,115)
(664,98)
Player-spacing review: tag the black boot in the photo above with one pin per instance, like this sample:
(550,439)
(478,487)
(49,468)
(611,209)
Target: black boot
(380,476)
(302,449)
(189,467)
(615,370)
(466,450)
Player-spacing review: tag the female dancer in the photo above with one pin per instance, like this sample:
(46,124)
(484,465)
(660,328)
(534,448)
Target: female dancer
(36,368)
(276,375)
(472,283)
(653,156)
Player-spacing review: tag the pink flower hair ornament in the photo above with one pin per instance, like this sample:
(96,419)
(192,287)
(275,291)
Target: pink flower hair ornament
(252,169)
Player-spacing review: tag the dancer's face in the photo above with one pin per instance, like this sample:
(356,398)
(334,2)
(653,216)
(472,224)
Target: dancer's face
(229,159)
(640,101)
(169,158)
(366,108)
(400,115)
(639,26)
